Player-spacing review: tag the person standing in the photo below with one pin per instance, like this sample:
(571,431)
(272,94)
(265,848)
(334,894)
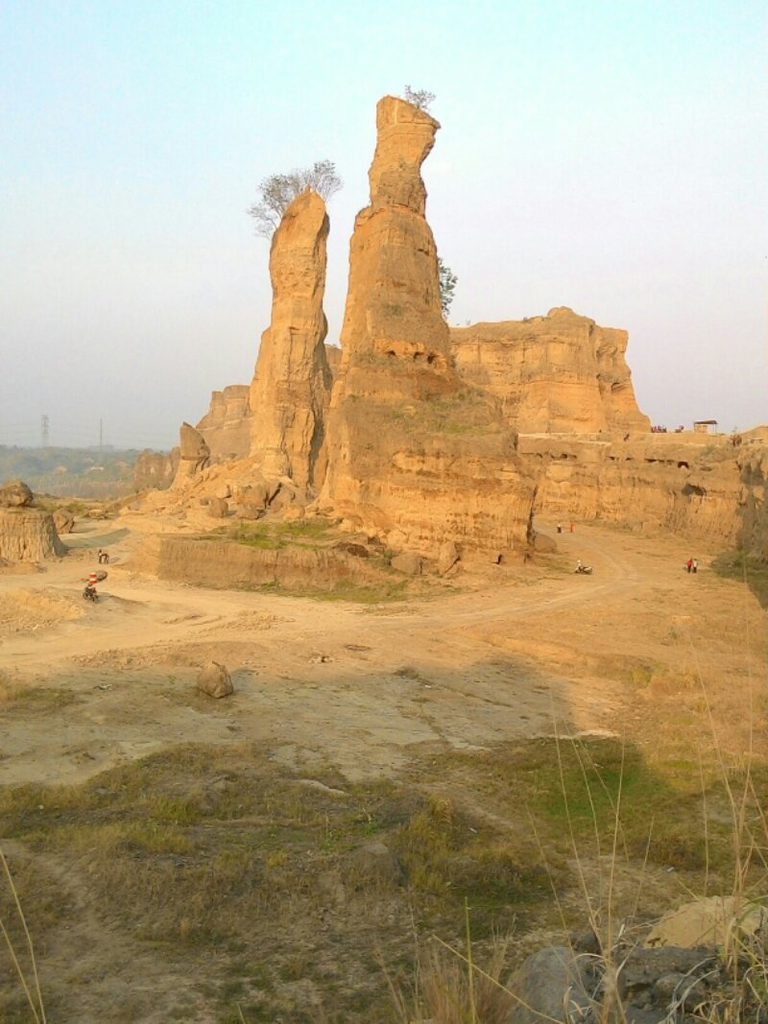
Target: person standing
(695,565)
(570,527)
(689,565)
(559,527)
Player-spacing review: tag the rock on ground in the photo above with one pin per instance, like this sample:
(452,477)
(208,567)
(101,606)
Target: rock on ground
(63,520)
(215,680)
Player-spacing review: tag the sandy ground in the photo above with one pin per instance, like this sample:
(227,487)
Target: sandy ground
(361,688)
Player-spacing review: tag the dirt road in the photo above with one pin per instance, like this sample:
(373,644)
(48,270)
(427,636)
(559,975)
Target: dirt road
(337,683)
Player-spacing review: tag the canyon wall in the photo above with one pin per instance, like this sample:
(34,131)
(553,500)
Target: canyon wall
(558,373)
(415,454)
(697,486)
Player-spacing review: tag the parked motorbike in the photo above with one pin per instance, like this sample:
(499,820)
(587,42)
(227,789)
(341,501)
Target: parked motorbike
(583,570)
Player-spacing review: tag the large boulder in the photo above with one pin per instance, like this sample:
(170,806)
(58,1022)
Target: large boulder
(713,921)
(15,494)
(447,557)
(408,562)
(63,520)
(215,680)
(553,984)
(217,508)
(194,455)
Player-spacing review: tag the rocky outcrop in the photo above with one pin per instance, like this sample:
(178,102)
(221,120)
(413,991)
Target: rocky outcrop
(694,485)
(194,455)
(752,462)
(227,425)
(333,358)
(292,381)
(558,373)
(28,535)
(15,494)
(415,454)
(155,470)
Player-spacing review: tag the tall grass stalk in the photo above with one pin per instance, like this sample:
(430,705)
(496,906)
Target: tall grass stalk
(35,1004)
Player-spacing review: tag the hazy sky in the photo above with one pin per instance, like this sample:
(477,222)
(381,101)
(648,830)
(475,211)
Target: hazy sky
(609,156)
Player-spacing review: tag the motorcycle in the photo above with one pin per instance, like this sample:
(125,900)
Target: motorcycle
(89,594)
(583,570)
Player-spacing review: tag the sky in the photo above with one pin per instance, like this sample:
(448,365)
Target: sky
(608,156)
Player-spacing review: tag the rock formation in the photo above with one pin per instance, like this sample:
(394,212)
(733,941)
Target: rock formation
(28,535)
(558,373)
(194,454)
(697,486)
(292,380)
(414,454)
(15,494)
(227,426)
(155,470)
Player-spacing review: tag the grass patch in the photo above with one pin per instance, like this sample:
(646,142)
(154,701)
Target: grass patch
(231,867)
(273,536)
(34,698)
(466,413)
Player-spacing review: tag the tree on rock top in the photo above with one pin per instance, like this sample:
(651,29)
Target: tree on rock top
(421,98)
(279,190)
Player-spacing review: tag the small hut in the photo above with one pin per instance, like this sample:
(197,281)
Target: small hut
(705,426)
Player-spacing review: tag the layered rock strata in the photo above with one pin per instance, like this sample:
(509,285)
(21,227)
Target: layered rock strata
(696,486)
(559,373)
(226,426)
(155,470)
(415,454)
(28,535)
(292,380)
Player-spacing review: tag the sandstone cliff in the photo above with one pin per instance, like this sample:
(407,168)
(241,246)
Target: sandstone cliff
(415,454)
(155,470)
(292,381)
(558,373)
(697,486)
(226,426)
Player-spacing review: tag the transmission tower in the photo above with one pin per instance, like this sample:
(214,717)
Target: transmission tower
(45,434)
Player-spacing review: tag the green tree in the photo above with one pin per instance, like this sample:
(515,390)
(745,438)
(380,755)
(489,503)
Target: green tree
(447,281)
(279,190)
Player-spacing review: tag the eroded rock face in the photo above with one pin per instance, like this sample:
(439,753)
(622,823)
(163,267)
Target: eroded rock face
(415,454)
(697,486)
(292,381)
(155,470)
(227,425)
(194,455)
(28,535)
(558,373)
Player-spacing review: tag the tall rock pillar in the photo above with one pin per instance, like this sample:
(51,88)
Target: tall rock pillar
(414,453)
(292,380)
